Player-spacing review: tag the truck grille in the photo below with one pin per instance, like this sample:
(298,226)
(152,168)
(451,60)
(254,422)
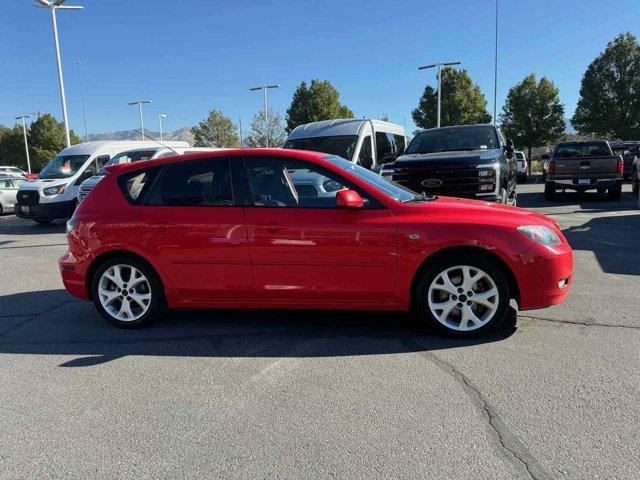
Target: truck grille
(454,183)
(28,197)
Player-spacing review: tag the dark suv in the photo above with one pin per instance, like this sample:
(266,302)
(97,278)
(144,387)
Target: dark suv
(471,161)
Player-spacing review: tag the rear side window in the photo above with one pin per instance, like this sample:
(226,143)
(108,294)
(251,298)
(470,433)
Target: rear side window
(388,147)
(197,183)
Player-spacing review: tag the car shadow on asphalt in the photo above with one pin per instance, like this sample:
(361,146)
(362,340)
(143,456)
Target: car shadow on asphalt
(589,202)
(12,225)
(73,328)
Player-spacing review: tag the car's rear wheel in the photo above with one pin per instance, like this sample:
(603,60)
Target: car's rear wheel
(549,190)
(127,292)
(463,295)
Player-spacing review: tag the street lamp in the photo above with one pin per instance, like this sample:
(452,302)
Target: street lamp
(26,144)
(139,103)
(160,117)
(495,73)
(84,113)
(439,65)
(54,5)
(266,113)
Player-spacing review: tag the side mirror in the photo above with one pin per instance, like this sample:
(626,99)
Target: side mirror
(367,162)
(349,199)
(545,156)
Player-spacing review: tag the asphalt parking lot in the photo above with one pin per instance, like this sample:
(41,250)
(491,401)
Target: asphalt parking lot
(221,394)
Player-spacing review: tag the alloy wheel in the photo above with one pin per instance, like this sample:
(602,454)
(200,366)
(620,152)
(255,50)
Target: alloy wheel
(124,292)
(463,298)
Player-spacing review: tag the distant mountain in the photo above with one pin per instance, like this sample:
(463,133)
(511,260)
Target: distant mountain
(182,134)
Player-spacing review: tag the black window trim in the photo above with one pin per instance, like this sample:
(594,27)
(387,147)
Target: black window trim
(244,187)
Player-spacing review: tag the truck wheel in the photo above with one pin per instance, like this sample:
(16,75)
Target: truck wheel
(126,292)
(635,184)
(615,193)
(549,190)
(462,295)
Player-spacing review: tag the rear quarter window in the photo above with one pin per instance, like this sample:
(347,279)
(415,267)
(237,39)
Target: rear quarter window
(132,185)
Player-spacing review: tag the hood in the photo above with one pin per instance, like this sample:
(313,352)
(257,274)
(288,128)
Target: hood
(462,159)
(488,213)
(41,183)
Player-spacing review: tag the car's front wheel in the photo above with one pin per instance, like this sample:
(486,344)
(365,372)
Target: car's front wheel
(463,295)
(126,292)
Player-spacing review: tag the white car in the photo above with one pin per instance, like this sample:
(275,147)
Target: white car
(521,166)
(8,189)
(369,143)
(11,171)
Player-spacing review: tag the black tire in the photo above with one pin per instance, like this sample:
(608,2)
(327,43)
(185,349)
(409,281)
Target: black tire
(602,191)
(549,190)
(44,221)
(490,267)
(635,184)
(615,193)
(155,306)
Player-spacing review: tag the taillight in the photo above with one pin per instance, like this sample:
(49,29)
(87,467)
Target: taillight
(620,165)
(552,167)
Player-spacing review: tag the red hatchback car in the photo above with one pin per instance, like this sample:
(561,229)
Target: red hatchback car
(270,228)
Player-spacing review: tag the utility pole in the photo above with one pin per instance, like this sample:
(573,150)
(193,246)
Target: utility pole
(495,74)
(439,66)
(160,117)
(266,112)
(26,144)
(140,103)
(84,113)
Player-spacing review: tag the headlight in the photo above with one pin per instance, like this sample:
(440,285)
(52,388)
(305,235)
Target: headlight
(54,190)
(486,173)
(540,234)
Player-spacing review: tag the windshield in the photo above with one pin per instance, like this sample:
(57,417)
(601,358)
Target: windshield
(392,189)
(128,157)
(342,146)
(449,139)
(63,166)
(592,149)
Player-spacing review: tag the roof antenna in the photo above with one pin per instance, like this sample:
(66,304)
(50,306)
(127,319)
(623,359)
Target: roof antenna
(160,143)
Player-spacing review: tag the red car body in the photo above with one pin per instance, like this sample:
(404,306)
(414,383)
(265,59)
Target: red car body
(249,257)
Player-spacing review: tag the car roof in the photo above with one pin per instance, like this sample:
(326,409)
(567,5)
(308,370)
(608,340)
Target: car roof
(232,152)
(340,127)
(457,126)
(87,148)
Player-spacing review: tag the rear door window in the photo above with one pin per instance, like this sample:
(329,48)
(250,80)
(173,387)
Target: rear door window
(388,147)
(197,183)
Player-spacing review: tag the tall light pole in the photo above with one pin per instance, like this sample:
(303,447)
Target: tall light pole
(439,65)
(266,112)
(160,117)
(84,113)
(140,103)
(54,5)
(26,144)
(495,74)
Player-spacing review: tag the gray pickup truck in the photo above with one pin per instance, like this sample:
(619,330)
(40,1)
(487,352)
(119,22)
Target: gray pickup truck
(582,166)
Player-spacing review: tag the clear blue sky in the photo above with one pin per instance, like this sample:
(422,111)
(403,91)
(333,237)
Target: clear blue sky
(193,55)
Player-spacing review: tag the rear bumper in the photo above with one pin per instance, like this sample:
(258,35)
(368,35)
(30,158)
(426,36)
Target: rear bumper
(47,211)
(545,277)
(594,182)
(73,275)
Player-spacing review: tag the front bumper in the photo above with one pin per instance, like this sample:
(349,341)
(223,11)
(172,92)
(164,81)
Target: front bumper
(545,276)
(46,211)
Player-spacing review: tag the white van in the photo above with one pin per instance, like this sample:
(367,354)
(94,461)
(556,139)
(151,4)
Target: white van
(370,143)
(53,194)
(137,155)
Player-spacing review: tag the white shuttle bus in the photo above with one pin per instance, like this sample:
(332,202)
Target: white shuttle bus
(369,143)
(53,194)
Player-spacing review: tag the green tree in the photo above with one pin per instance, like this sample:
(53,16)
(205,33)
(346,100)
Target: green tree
(609,103)
(274,126)
(319,101)
(12,147)
(463,102)
(216,131)
(46,139)
(532,114)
